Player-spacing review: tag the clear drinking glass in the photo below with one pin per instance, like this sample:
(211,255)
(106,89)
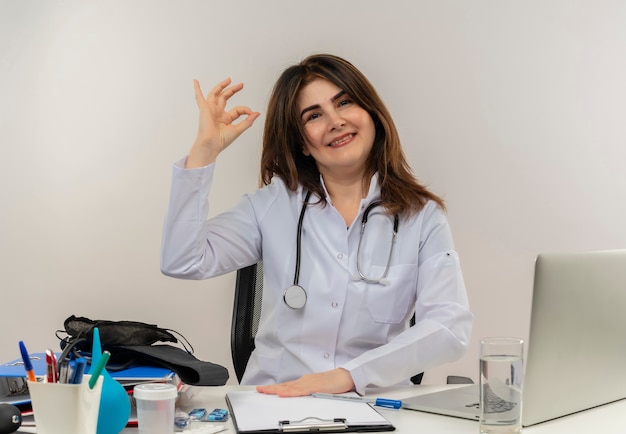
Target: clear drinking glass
(501,377)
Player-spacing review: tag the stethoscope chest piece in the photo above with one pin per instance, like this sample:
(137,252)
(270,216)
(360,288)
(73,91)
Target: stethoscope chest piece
(295,297)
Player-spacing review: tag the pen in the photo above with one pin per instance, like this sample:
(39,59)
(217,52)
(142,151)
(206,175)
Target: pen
(27,364)
(79,370)
(64,370)
(51,367)
(97,370)
(380,402)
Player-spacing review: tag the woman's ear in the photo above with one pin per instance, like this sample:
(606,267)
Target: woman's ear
(305,150)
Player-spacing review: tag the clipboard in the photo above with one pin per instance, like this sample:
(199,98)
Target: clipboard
(257,413)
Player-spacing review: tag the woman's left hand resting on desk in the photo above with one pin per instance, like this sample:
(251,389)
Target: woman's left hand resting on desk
(335,381)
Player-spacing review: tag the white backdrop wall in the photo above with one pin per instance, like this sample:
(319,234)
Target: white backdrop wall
(514,111)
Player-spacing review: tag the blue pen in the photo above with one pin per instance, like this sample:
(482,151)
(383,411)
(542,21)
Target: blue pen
(28,366)
(379,402)
(79,370)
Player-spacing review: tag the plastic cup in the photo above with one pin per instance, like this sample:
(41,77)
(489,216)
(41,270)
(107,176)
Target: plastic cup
(155,407)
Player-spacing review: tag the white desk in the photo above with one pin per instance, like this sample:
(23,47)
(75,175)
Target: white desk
(607,419)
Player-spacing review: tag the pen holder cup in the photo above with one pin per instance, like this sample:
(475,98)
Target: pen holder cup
(61,408)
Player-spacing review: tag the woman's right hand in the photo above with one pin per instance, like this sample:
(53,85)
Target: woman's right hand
(216,127)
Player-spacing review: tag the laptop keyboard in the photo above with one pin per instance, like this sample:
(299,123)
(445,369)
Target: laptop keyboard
(495,404)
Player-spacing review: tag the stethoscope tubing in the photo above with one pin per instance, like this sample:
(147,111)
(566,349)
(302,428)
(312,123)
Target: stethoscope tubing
(295,296)
(296,274)
(382,279)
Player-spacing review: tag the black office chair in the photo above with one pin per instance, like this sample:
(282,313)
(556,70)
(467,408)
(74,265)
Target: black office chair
(416,379)
(246,314)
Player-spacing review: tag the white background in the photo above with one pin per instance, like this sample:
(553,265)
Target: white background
(513,111)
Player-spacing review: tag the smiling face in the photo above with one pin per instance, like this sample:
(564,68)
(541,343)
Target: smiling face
(339,134)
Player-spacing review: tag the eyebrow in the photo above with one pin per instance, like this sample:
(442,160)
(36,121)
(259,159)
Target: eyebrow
(316,106)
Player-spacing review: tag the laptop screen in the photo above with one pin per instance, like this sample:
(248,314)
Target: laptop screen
(577,345)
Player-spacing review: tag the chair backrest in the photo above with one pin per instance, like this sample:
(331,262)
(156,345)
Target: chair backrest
(246,314)
(417,378)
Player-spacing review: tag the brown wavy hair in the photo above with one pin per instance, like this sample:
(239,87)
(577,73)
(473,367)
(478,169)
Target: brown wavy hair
(283,137)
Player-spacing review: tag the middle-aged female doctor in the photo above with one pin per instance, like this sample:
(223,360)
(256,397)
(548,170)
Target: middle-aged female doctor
(340,285)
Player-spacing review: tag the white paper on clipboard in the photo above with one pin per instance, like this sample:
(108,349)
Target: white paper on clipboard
(257,412)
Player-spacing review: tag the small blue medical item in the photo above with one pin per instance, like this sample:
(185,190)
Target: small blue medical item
(181,420)
(217,415)
(198,414)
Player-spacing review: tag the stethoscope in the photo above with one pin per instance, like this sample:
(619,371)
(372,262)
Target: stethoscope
(295,296)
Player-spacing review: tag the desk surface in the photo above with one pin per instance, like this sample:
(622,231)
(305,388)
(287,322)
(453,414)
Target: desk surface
(608,419)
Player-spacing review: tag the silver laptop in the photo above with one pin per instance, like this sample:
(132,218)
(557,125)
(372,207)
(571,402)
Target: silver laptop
(576,355)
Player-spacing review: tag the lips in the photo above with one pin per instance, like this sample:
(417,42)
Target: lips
(341,140)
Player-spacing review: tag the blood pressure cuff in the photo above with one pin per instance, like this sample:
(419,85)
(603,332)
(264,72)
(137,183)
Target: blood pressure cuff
(189,369)
(132,343)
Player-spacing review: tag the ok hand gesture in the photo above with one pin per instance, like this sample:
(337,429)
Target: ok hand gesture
(216,127)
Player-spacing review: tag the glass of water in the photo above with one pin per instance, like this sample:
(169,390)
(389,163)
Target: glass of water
(501,377)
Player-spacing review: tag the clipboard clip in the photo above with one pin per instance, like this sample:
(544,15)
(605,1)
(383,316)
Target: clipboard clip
(306,425)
